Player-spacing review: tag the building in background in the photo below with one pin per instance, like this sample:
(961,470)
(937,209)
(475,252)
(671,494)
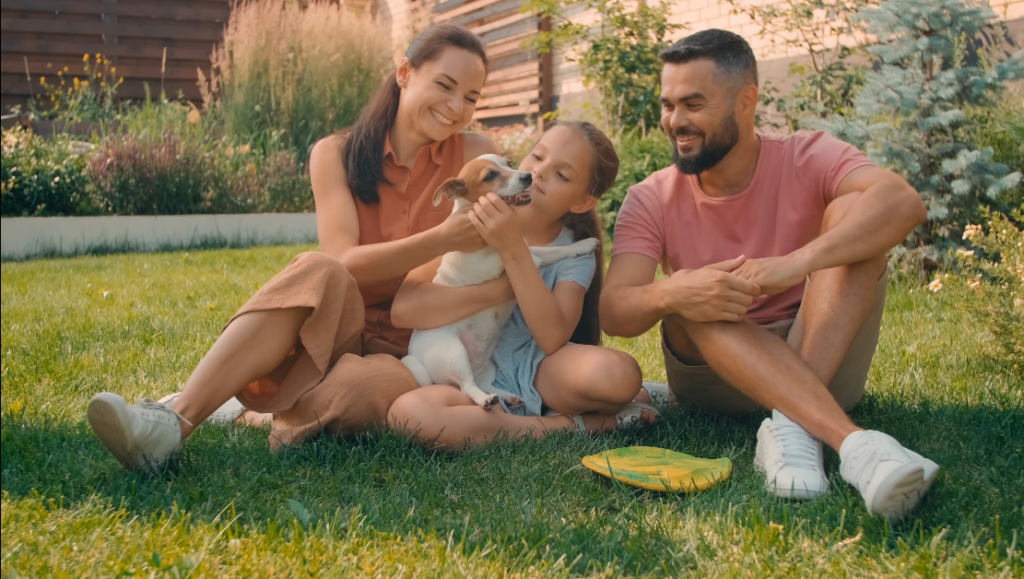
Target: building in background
(161,44)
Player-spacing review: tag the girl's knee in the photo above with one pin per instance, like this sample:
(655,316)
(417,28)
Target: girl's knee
(616,375)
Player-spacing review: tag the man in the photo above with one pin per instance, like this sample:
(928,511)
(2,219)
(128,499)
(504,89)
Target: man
(738,224)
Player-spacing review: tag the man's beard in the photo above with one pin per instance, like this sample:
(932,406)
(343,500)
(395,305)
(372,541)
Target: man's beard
(714,150)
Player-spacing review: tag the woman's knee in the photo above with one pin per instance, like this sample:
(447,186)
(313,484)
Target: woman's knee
(320,261)
(407,413)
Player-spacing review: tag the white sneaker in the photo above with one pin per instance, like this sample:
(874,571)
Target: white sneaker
(891,478)
(142,436)
(228,413)
(790,458)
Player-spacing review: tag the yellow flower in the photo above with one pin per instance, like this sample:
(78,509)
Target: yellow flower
(251,168)
(113,69)
(85,58)
(99,57)
(42,80)
(98,75)
(49,65)
(120,80)
(244,149)
(230,151)
(76,83)
(16,407)
(935,286)
(193,116)
(65,69)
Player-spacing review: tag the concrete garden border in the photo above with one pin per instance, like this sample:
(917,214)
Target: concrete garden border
(31,237)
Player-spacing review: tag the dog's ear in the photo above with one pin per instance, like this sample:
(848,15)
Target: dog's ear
(451,189)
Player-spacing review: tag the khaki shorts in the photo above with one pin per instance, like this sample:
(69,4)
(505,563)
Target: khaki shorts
(701,387)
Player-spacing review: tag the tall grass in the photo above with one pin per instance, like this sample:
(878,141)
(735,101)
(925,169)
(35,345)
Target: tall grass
(296,72)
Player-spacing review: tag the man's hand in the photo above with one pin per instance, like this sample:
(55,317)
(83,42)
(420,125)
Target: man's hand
(773,275)
(712,293)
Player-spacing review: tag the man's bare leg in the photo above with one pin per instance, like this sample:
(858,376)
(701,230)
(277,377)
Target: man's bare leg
(837,303)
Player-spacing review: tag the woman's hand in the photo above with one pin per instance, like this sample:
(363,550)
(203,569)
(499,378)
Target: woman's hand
(498,224)
(458,233)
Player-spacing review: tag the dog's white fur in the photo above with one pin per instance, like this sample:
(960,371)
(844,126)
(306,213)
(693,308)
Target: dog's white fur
(459,354)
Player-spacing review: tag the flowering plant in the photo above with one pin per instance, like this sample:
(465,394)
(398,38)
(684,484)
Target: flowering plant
(89,96)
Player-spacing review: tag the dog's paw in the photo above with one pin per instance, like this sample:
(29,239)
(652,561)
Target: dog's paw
(514,402)
(488,401)
(585,246)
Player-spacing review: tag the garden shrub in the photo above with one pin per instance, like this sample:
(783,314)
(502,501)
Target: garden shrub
(639,156)
(40,177)
(89,96)
(172,174)
(997,267)
(298,71)
(911,114)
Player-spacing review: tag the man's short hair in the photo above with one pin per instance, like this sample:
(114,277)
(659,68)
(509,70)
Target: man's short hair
(731,54)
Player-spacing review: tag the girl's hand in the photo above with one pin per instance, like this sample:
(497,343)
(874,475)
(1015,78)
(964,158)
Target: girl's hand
(458,233)
(498,224)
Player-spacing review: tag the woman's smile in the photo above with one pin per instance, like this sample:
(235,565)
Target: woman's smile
(441,118)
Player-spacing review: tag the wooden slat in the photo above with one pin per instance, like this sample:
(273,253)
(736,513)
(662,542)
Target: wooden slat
(528,24)
(16,65)
(494,9)
(178,10)
(507,112)
(514,18)
(72,48)
(509,99)
(190,32)
(493,89)
(514,72)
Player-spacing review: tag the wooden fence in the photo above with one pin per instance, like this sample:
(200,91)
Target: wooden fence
(159,43)
(162,43)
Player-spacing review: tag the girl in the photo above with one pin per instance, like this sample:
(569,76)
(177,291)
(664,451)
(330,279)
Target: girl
(572,165)
(312,346)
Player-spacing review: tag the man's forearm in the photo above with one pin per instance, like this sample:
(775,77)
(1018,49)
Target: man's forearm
(878,220)
(628,311)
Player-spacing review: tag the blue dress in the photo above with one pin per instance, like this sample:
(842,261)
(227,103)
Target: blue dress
(517,355)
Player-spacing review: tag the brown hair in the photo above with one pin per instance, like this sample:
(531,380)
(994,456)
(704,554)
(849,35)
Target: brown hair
(363,153)
(585,225)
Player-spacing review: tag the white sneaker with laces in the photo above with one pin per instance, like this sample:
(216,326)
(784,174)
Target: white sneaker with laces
(790,458)
(142,436)
(891,478)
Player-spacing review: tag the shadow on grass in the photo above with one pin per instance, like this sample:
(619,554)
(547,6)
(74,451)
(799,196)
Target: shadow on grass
(516,494)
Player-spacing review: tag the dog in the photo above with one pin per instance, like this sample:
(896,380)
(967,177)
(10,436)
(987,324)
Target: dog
(459,354)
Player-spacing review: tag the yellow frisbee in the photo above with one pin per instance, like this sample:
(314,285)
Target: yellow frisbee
(659,469)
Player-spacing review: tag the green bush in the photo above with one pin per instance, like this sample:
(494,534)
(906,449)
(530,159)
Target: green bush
(41,177)
(172,173)
(296,72)
(1001,128)
(639,156)
(997,267)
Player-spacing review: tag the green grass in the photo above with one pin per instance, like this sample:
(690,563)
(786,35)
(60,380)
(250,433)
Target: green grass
(379,506)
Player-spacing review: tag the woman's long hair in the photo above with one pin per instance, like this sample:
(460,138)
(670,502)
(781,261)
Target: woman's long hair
(586,225)
(363,153)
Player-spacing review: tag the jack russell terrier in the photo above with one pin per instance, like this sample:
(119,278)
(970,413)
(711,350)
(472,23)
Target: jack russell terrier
(459,354)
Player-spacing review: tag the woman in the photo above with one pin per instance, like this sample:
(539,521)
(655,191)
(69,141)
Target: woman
(315,346)
(585,387)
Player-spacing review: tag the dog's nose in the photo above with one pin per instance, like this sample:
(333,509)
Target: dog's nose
(528,179)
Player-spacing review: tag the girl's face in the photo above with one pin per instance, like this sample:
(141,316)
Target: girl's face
(441,96)
(561,164)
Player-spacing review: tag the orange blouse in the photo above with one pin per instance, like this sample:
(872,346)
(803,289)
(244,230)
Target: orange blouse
(406,208)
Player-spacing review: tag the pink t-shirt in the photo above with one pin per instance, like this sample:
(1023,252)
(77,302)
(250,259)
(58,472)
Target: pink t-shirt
(667,217)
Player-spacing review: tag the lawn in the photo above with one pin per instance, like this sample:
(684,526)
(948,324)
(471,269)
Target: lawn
(379,506)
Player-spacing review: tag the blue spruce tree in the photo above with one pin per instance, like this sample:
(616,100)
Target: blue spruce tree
(910,116)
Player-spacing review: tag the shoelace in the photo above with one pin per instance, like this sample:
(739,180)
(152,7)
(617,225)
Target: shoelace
(872,449)
(151,404)
(796,447)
